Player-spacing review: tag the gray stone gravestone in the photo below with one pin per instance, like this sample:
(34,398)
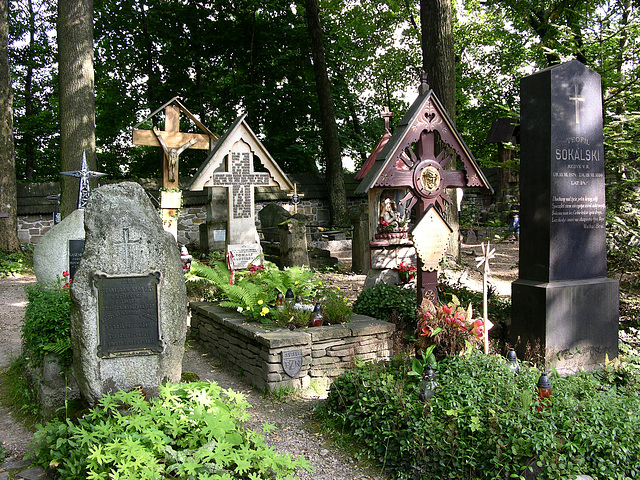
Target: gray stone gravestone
(563,296)
(129,313)
(59,249)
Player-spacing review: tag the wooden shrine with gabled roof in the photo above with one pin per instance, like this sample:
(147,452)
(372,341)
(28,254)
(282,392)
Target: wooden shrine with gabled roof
(409,172)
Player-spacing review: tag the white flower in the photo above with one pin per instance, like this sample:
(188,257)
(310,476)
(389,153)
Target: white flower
(240,309)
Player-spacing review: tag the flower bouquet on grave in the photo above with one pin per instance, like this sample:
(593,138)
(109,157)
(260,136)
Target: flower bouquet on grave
(406,271)
(450,328)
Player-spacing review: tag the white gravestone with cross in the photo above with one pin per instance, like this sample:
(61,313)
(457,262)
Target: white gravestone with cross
(237,151)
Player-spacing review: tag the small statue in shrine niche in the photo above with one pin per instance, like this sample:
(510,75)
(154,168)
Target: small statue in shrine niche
(388,210)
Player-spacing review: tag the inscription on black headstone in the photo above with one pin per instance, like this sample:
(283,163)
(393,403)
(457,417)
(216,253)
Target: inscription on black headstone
(76,247)
(128,314)
(578,209)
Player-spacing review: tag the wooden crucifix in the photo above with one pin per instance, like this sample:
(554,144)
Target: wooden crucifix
(173,142)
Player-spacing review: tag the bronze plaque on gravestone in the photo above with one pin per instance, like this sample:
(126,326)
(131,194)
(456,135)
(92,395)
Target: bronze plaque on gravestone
(128,314)
(292,362)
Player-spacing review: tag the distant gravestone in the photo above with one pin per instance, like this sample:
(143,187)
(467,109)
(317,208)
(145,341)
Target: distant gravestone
(563,296)
(60,249)
(129,313)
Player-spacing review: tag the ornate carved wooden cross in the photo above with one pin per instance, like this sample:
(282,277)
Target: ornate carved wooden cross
(409,161)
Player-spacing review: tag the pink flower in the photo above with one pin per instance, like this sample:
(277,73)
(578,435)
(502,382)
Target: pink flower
(426,331)
(384,223)
(448,320)
(447,309)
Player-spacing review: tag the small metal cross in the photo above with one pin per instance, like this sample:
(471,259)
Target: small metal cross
(84,175)
(295,198)
(483,265)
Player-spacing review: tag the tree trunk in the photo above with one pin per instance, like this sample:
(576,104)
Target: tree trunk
(8,196)
(330,138)
(29,142)
(77,101)
(438,61)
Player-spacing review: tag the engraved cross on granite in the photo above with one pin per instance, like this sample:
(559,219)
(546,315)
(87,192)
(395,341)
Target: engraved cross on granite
(240,180)
(126,244)
(84,174)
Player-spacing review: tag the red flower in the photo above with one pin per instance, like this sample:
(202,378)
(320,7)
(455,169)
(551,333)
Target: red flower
(65,273)
(447,309)
(384,223)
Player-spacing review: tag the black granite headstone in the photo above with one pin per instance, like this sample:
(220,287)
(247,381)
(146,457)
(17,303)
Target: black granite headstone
(128,314)
(76,247)
(562,296)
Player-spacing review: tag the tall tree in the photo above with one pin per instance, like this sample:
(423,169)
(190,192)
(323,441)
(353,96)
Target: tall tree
(8,198)
(330,139)
(438,62)
(77,102)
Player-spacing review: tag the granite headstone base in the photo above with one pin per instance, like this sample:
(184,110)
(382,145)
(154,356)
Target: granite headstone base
(213,236)
(576,321)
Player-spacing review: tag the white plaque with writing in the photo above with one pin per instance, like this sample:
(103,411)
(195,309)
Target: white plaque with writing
(244,254)
(431,238)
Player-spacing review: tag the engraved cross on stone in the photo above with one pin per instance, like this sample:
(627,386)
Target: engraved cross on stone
(240,181)
(577,99)
(126,244)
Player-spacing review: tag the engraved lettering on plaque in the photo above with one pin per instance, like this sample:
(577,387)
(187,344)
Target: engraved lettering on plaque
(76,247)
(431,238)
(128,314)
(292,362)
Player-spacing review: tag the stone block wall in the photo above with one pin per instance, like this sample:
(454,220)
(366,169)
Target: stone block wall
(189,222)
(256,349)
(32,227)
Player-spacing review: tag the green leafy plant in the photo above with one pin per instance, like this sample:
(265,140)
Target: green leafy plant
(486,422)
(18,394)
(335,307)
(190,431)
(389,303)
(20,262)
(253,292)
(47,323)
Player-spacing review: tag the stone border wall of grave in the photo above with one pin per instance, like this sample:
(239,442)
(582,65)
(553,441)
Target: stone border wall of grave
(276,358)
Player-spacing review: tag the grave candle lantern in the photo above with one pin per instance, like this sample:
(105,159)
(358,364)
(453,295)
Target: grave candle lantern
(544,389)
(512,361)
(288,298)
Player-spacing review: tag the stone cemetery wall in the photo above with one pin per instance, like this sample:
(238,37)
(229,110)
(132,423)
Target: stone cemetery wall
(323,352)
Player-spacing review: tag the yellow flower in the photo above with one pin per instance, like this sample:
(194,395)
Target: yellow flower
(320,283)
(264,311)
(297,282)
(260,302)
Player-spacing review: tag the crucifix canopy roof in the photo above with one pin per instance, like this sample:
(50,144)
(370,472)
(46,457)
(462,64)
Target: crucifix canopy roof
(426,114)
(240,130)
